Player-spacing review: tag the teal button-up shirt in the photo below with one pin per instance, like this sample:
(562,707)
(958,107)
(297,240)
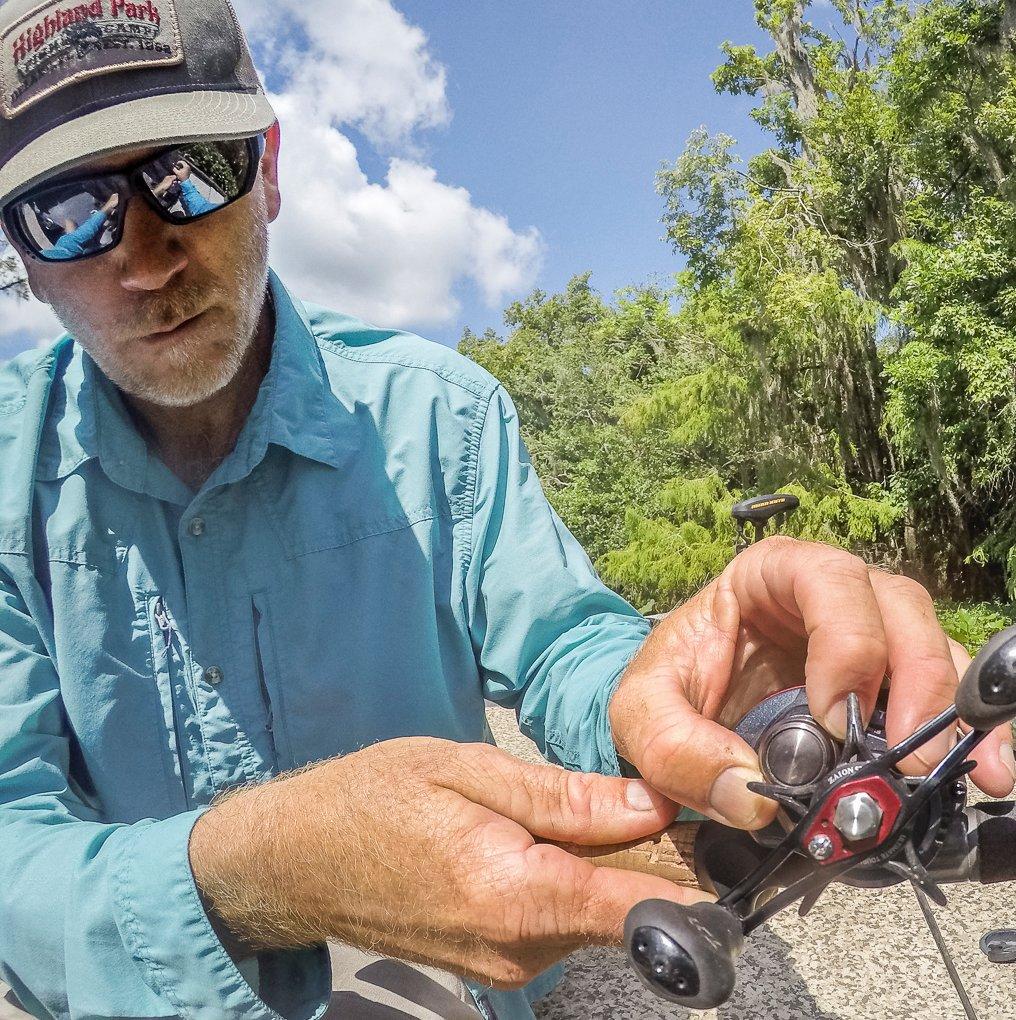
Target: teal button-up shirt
(373,560)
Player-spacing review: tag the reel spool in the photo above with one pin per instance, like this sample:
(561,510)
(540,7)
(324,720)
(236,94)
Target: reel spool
(797,758)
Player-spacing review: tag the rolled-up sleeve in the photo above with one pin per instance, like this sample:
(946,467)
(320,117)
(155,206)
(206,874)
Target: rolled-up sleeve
(550,638)
(193,201)
(100,919)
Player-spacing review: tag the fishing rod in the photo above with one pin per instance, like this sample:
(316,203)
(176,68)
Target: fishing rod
(846,814)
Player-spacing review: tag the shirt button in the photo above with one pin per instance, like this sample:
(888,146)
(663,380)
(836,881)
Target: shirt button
(214,675)
(196,526)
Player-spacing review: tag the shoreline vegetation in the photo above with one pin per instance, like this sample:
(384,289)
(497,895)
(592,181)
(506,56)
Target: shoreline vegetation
(841,325)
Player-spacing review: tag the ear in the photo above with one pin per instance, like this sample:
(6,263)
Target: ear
(270,171)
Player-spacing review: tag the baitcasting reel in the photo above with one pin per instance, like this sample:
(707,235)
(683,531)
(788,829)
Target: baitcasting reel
(846,814)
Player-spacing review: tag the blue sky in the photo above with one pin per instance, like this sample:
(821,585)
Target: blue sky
(442,159)
(562,114)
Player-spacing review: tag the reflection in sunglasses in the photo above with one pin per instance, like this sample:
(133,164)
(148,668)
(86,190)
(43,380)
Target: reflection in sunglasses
(81,217)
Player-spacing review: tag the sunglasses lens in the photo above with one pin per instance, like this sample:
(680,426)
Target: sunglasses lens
(61,223)
(71,222)
(198,178)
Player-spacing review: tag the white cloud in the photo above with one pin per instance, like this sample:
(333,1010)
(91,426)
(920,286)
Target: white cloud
(31,321)
(393,251)
(357,63)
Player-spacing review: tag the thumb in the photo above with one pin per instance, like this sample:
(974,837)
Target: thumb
(705,766)
(555,804)
(591,903)
(676,748)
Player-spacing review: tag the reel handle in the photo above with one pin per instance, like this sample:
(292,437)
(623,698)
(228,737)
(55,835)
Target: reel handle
(987,693)
(685,954)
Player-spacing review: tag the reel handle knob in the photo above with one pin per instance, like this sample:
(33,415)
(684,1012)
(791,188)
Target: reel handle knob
(987,693)
(685,954)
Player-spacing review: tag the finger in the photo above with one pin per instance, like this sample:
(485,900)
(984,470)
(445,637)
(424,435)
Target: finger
(925,666)
(669,738)
(996,771)
(920,665)
(829,591)
(591,903)
(699,763)
(553,803)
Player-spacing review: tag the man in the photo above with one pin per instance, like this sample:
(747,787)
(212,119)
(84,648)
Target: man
(77,238)
(178,187)
(240,535)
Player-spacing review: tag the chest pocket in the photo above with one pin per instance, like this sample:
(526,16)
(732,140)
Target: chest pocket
(266,666)
(172,669)
(115,684)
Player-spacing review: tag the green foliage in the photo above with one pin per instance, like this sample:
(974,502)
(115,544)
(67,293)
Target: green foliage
(972,623)
(703,190)
(843,327)
(211,162)
(12,276)
(649,417)
(572,363)
(669,557)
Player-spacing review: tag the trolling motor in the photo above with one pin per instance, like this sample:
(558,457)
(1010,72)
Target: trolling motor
(759,511)
(846,814)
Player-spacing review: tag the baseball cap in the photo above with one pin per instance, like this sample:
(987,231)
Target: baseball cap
(80,79)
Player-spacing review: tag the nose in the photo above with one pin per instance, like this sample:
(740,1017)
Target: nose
(150,252)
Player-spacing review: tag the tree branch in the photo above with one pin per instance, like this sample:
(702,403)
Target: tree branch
(795,57)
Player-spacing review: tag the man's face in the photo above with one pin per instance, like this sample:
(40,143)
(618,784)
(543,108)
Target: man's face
(170,313)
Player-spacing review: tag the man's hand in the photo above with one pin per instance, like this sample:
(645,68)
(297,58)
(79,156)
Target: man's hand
(182,170)
(423,849)
(784,613)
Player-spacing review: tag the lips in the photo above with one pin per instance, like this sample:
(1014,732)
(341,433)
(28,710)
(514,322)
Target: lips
(163,334)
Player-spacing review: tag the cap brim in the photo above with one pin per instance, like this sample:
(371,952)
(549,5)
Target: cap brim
(152,121)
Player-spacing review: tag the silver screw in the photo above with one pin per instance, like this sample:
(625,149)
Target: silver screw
(858,817)
(820,847)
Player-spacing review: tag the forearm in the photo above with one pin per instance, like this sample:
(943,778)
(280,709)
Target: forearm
(249,855)
(288,864)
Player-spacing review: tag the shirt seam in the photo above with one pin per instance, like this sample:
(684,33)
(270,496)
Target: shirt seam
(473,386)
(17,403)
(167,765)
(472,476)
(200,711)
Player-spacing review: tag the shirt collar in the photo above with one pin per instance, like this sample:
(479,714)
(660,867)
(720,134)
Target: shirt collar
(295,409)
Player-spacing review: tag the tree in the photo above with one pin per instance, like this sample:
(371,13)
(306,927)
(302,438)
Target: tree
(890,177)
(843,326)
(12,274)
(573,363)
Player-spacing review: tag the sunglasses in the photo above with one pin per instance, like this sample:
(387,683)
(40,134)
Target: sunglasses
(78,218)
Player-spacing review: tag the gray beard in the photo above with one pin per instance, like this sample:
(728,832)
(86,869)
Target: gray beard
(194,375)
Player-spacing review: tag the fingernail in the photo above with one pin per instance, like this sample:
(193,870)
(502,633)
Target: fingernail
(638,796)
(1005,756)
(931,753)
(731,798)
(835,721)
(692,896)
